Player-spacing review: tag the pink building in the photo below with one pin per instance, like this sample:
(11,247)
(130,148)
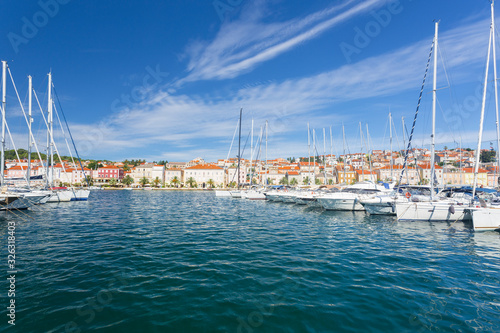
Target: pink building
(108,172)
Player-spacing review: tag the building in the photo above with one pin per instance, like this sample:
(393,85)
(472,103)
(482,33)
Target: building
(172,173)
(203,174)
(104,174)
(366,175)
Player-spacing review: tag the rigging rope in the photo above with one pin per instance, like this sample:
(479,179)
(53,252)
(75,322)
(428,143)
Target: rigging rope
(416,115)
(71,136)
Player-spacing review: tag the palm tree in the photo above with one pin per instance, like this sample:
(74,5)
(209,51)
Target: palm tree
(191,182)
(127,180)
(90,181)
(143,181)
(284,181)
(175,180)
(113,182)
(294,181)
(317,182)
(156,181)
(211,183)
(306,180)
(270,181)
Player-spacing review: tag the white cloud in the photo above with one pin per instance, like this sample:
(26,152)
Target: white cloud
(243,44)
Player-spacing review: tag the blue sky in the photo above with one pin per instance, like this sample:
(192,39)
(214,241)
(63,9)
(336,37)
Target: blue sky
(164,80)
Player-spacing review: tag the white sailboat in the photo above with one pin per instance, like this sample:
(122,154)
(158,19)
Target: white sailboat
(486,217)
(437,208)
(12,200)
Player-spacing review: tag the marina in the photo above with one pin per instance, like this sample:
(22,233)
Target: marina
(360,191)
(133,261)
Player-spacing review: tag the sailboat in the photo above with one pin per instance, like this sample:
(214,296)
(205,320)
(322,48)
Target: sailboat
(10,200)
(59,194)
(486,217)
(437,208)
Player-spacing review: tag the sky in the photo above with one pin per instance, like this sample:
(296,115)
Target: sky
(165,80)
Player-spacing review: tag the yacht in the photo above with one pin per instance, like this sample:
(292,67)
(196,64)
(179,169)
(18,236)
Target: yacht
(349,198)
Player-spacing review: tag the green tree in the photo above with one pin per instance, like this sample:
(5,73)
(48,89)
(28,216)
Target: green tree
(306,180)
(487,156)
(210,183)
(156,181)
(294,182)
(143,181)
(113,182)
(317,181)
(90,181)
(94,165)
(270,181)
(128,180)
(284,181)
(191,182)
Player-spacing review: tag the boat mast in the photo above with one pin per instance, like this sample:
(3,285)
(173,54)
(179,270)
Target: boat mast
(50,177)
(239,149)
(434,85)
(265,166)
(314,153)
(331,150)
(496,90)
(324,156)
(404,145)
(4,95)
(361,141)
(390,140)
(480,137)
(309,151)
(370,153)
(344,161)
(30,120)
(251,154)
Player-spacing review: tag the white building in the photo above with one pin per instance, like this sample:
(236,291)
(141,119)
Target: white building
(202,173)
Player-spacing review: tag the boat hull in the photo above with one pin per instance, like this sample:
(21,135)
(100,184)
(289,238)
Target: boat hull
(222,194)
(348,204)
(432,211)
(486,219)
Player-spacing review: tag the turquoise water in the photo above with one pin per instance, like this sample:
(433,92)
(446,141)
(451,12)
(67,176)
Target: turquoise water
(154,261)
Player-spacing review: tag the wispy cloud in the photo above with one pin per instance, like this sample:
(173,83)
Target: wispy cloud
(244,44)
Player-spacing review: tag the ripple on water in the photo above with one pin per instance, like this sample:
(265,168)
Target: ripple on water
(152,261)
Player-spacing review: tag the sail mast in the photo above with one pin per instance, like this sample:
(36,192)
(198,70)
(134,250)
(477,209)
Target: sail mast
(265,166)
(251,154)
(369,151)
(481,121)
(434,85)
(30,120)
(344,161)
(495,83)
(309,150)
(331,150)
(361,141)
(4,87)
(314,153)
(324,156)
(239,150)
(390,139)
(50,176)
